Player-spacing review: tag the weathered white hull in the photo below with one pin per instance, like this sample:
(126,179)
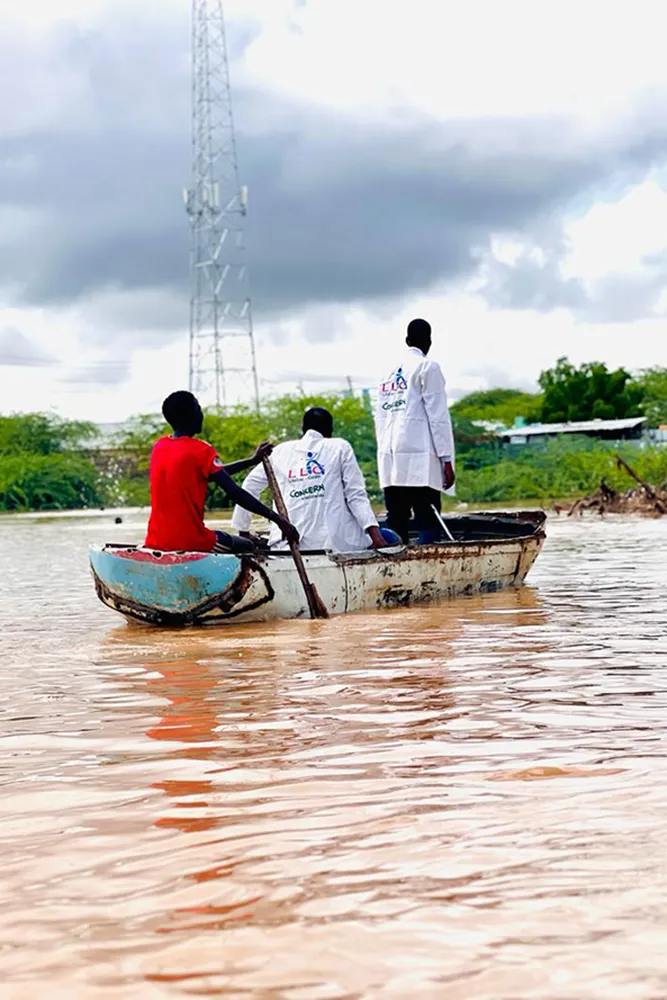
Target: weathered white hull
(378,580)
(195,588)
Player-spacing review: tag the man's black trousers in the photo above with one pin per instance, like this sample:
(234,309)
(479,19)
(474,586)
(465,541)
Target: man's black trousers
(404,501)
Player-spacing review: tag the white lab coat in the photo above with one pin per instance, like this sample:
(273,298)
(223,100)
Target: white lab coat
(413,425)
(324,492)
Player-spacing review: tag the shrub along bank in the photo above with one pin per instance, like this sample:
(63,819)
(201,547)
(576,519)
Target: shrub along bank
(43,466)
(47,464)
(558,470)
(48,482)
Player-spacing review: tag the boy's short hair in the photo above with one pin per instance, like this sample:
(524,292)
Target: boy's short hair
(181,409)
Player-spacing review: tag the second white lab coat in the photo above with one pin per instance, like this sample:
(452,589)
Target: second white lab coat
(324,492)
(413,425)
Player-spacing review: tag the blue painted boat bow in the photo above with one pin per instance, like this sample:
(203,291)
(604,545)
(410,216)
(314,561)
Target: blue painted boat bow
(169,586)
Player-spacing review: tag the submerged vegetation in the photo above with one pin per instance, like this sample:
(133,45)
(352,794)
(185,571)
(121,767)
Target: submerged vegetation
(47,463)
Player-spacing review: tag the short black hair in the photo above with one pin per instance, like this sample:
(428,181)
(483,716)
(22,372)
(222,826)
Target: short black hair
(318,419)
(419,332)
(182,411)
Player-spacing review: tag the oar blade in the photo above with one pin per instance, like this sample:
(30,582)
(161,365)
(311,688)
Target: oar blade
(319,604)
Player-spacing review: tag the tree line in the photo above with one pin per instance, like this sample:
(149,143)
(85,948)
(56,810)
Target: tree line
(569,393)
(47,463)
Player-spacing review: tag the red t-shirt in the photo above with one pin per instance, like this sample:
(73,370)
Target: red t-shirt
(179,474)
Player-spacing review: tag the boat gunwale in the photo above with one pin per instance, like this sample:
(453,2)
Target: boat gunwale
(228,600)
(402,553)
(399,552)
(430,552)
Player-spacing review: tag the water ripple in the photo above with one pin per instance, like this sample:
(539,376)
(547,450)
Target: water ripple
(462,801)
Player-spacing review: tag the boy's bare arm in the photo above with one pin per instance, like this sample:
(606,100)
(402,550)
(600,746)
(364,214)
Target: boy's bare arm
(249,502)
(264,449)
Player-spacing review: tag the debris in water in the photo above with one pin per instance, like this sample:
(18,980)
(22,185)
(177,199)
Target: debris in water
(644,500)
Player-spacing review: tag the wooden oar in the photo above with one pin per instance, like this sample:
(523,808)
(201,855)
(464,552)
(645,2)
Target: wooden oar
(315,604)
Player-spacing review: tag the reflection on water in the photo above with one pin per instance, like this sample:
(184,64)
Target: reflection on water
(461,801)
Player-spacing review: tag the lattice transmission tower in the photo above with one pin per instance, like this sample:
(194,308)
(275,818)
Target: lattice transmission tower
(222,344)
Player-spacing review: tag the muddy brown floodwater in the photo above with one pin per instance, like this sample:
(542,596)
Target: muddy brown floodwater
(464,801)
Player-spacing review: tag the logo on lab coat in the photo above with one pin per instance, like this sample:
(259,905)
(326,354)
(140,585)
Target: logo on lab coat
(307,479)
(394,391)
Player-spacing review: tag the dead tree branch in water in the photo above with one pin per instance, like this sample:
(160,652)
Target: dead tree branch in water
(645,500)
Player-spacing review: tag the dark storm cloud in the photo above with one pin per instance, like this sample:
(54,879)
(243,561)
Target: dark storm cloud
(338,212)
(532,283)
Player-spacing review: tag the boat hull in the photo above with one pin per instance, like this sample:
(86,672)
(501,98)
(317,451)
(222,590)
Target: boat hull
(199,588)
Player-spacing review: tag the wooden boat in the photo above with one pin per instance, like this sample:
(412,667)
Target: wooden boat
(488,553)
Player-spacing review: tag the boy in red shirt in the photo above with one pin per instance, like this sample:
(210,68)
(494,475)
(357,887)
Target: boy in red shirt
(180,471)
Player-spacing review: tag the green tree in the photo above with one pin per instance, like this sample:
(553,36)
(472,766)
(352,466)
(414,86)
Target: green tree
(652,383)
(589,392)
(42,434)
(501,406)
(236,433)
(41,467)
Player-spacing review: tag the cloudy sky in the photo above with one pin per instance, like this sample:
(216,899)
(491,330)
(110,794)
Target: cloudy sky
(496,168)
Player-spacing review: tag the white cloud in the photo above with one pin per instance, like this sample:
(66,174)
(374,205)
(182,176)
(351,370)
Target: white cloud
(476,58)
(16,350)
(615,236)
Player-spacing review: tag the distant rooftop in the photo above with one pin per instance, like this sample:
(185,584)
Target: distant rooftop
(576,427)
(490,425)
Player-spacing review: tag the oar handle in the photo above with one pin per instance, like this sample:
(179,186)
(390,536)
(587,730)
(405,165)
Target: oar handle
(315,606)
(275,488)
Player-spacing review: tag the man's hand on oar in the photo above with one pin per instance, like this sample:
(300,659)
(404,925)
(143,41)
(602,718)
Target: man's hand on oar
(263,450)
(290,534)
(315,604)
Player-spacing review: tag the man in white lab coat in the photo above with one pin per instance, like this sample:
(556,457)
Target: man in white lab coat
(324,492)
(415,439)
